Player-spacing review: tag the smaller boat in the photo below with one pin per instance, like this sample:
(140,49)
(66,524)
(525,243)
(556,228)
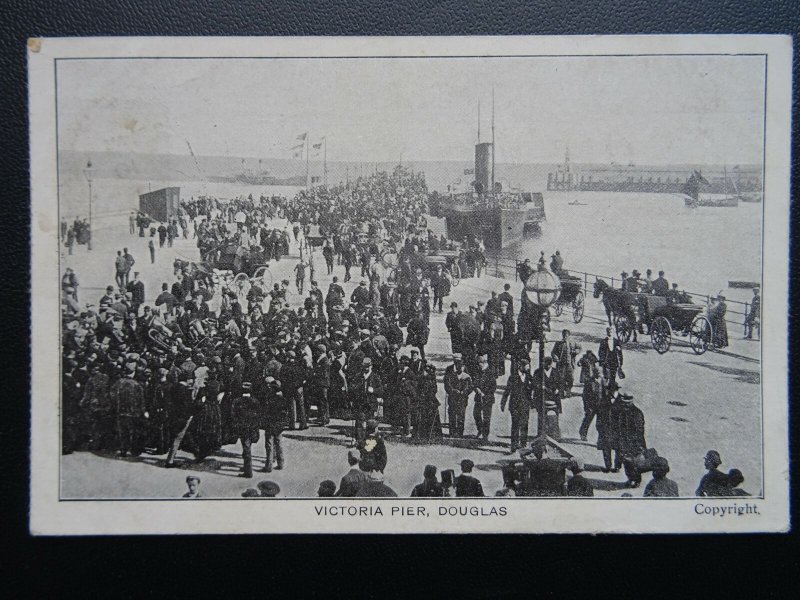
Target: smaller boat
(696,195)
(753,197)
(743,285)
(576,203)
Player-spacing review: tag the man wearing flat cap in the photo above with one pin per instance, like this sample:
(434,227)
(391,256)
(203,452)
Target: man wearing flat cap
(127,396)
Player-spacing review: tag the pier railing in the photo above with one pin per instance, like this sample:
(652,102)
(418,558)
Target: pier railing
(508,268)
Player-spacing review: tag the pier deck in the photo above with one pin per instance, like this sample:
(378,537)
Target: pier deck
(691,403)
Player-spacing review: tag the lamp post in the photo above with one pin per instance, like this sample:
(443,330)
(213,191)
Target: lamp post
(88,172)
(542,289)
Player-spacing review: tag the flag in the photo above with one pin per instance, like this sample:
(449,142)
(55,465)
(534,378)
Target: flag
(297,151)
(317,146)
(302,137)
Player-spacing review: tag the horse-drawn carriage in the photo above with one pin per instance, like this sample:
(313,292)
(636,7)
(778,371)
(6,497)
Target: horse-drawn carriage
(233,269)
(631,312)
(572,296)
(239,259)
(685,320)
(314,237)
(448,259)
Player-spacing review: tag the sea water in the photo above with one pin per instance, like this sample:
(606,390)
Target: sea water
(699,248)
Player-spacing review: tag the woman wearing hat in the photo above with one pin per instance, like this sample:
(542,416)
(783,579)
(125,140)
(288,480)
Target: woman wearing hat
(716,314)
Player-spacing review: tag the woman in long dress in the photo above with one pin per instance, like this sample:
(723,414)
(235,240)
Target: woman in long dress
(716,314)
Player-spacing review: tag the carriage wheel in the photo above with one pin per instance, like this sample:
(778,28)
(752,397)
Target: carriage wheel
(577,308)
(700,335)
(558,308)
(624,328)
(265,275)
(455,274)
(661,334)
(241,285)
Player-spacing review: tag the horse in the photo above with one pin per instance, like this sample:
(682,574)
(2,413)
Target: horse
(618,303)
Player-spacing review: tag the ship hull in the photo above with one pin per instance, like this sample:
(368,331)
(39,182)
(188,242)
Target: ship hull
(713,200)
(497,227)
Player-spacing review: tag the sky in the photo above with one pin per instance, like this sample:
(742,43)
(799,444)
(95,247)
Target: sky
(646,110)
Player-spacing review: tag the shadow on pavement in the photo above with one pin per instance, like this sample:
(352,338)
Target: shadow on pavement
(742,375)
(608,486)
(209,464)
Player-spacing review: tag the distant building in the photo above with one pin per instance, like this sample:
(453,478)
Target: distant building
(162,204)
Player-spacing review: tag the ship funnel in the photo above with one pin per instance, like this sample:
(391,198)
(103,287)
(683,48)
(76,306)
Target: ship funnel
(483,167)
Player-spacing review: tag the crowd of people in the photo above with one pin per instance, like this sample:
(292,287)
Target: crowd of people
(201,366)
(78,232)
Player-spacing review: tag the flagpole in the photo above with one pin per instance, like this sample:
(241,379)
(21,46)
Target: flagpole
(493,147)
(325,162)
(307,152)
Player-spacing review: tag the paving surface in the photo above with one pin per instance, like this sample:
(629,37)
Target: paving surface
(691,403)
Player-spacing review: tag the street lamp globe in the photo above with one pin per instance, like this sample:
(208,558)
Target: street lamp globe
(543,287)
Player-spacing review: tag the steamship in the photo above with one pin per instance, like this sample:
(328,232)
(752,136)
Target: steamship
(487,212)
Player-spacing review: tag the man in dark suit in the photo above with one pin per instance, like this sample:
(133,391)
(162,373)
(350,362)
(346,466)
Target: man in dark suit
(136,288)
(365,390)
(292,376)
(546,398)
(352,480)
(518,396)
(564,352)
(245,420)
(178,290)
(466,484)
(457,386)
(485,385)
(166,299)
(429,487)
(506,297)
(660,285)
(627,425)
(320,383)
(453,323)
(275,419)
(609,356)
(335,295)
(360,296)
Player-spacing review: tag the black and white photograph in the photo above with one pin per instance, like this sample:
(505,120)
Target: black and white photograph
(410,285)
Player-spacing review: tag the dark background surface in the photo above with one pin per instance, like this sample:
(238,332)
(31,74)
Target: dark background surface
(464,567)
